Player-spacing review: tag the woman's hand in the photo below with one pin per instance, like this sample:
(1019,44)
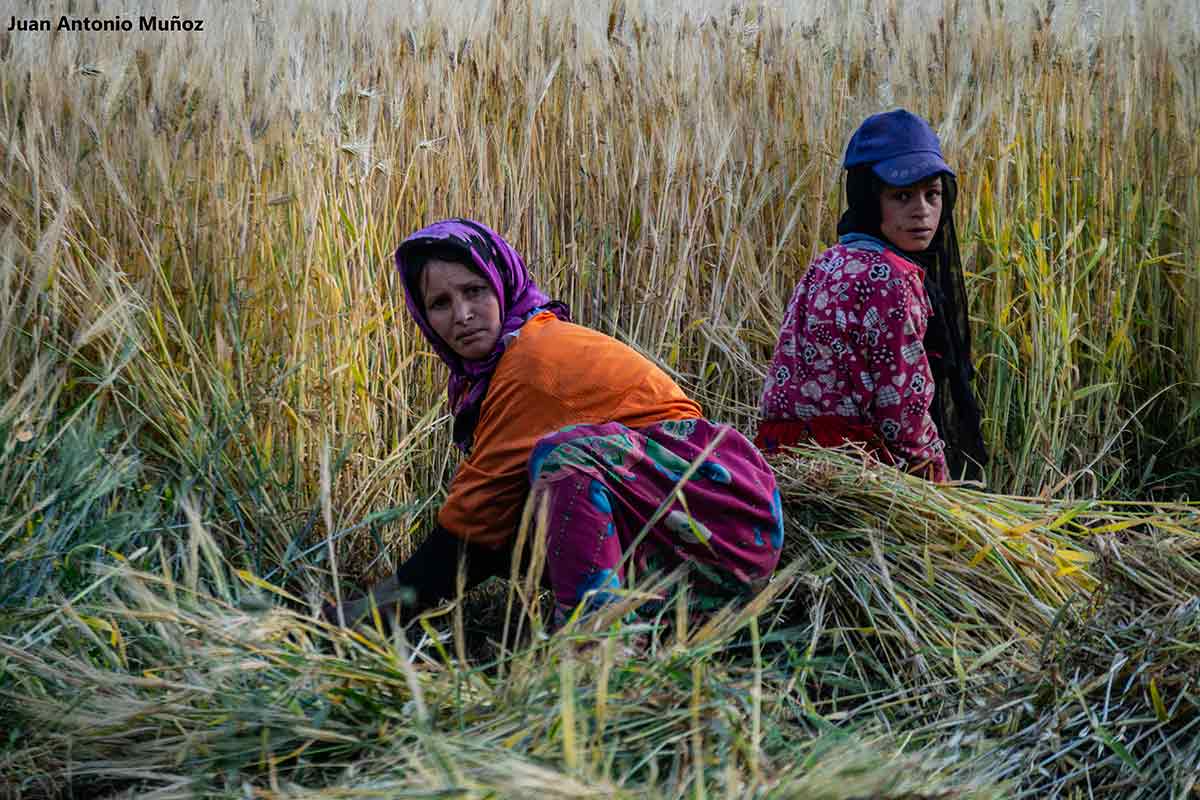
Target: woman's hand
(428,577)
(389,597)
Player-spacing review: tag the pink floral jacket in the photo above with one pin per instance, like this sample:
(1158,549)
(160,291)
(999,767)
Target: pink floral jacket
(850,355)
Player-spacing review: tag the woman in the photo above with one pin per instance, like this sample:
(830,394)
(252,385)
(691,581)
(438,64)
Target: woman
(875,347)
(545,406)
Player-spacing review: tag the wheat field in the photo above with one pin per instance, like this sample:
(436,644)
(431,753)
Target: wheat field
(213,405)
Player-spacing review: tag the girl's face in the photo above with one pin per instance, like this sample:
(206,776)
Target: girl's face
(461,307)
(910,214)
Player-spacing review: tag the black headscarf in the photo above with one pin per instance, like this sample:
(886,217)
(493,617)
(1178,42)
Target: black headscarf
(947,340)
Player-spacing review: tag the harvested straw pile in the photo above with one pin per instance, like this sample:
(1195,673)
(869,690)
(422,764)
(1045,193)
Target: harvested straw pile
(924,642)
(1066,632)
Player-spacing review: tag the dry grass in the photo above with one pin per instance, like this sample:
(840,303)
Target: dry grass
(890,659)
(205,369)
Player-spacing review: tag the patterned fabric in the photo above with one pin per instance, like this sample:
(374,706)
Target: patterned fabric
(826,431)
(520,299)
(851,348)
(603,482)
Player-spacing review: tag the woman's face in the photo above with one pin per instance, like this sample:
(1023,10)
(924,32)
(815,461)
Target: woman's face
(461,307)
(910,214)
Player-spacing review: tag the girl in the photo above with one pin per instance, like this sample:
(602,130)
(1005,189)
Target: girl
(545,406)
(875,346)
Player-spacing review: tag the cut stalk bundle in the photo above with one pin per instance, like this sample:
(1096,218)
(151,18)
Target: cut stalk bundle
(936,581)
(204,687)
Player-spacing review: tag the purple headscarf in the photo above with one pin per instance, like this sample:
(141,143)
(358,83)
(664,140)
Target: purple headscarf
(486,252)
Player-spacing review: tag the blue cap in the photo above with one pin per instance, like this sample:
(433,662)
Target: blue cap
(900,147)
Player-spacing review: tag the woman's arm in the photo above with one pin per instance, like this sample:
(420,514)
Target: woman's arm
(426,578)
(896,376)
(777,401)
